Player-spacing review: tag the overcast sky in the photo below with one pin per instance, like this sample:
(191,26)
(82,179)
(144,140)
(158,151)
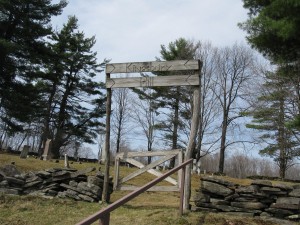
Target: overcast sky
(133,30)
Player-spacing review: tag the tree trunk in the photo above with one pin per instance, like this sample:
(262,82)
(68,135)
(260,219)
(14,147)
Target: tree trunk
(175,125)
(223,146)
(281,140)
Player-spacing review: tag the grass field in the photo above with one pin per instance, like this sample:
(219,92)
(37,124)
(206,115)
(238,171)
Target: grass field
(149,208)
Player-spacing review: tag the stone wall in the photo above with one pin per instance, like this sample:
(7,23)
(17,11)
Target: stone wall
(56,182)
(261,198)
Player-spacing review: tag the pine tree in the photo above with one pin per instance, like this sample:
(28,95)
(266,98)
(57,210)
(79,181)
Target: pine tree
(23,27)
(73,99)
(271,117)
(174,97)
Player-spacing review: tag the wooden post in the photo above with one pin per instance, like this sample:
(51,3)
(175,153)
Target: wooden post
(117,165)
(192,143)
(105,194)
(105,219)
(182,172)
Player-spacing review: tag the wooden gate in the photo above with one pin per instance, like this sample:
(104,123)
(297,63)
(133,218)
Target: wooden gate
(129,158)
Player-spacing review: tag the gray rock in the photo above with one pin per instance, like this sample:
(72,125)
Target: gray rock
(295,193)
(205,205)
(265,214)
(231,197)
(241,199)
(215,189)
(90,188)
(81,191)
(283,186)
(73,183)
(270,189)
(86,198)
(9,170)
(284,206)
(61,194)
(43,174)
(293,217)
(9,191)
(200,197)
(4,184)
(281,213)
(95,181)
(296,186)
(33,184)
(268,201)
(100,175)
(266,183)
(216,201)
(257,196)
(51,192)
(12,181)
(240,214)
(248,189)
(249,205)
(228,208)
(219,181)
(72,194)
(202,209)
(33,179)
(288,200)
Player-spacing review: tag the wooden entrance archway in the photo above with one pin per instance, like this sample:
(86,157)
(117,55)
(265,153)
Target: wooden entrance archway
(193,79)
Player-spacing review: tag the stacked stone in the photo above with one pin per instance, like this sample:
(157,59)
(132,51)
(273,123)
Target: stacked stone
(261,198)
(56,182)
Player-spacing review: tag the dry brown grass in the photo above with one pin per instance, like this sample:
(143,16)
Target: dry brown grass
(149,208)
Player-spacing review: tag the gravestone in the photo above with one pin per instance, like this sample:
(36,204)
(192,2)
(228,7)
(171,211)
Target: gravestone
(103,154)
(24,152)
(47,149)
(66,161)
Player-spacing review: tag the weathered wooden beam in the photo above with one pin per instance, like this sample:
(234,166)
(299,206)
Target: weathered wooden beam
(191,146)
(155,188)
(154,66)
(145,154)
(159,81)
(145,168)
(151,171)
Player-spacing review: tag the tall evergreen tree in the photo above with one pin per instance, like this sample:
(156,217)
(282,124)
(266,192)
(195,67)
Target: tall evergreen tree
(73,99)
(270,117)
(24,25)
(174,97)
(273,29)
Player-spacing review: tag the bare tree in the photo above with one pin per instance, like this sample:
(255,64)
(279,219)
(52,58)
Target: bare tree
(234,69)
(209,109)
(120,115)
(146,116)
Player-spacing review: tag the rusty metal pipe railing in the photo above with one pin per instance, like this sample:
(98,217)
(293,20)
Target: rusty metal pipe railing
(104,214)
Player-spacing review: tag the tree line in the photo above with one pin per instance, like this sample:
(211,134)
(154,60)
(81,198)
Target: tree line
(49,88)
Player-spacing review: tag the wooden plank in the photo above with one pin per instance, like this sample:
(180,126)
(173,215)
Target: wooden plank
(154,66)
(145,154)
(105,192)
(159,81)
(151,171)
(154,188)
(180,161)
(145,168)
(117,170)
